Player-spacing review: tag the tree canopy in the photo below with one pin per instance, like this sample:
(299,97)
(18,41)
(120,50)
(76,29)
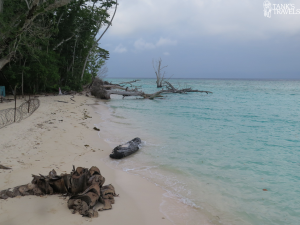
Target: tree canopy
(52,43)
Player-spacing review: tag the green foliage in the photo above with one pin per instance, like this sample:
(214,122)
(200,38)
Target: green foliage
(52,51)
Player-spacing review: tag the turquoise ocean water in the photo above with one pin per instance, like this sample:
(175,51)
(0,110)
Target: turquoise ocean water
(215,153)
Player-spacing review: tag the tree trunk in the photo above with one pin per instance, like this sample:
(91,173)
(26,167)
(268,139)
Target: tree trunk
(95,44)
(23,79)
(158,72)
(4,61)
(86,59)
(158,75)
(124,93)
(22,84)
(74,57)
(1,6)
(103,91)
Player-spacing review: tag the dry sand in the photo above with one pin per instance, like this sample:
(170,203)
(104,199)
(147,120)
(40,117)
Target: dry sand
(54,137)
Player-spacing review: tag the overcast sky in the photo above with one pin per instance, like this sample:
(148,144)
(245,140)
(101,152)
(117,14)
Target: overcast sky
(204,39)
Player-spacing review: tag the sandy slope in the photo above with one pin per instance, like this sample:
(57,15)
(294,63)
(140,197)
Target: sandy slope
(54,137)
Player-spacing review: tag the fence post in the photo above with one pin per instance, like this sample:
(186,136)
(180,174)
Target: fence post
(15,92)
(28,103)
(22,84)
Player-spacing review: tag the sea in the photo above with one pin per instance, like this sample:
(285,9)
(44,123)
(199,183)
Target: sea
(228,157)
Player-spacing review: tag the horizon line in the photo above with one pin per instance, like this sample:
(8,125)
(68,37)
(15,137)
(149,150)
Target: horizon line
(205,78)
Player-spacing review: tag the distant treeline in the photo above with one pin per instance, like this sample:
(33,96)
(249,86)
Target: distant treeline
(46,44)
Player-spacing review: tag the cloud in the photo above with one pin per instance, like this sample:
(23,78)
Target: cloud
(166,53)
(141,44)
(234,19)
(120,49)
(166,41)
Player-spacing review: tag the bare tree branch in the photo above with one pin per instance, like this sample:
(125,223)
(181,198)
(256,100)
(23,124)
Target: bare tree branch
(27,4)
(63,41)
(60,19)
(158,71)
(172,89)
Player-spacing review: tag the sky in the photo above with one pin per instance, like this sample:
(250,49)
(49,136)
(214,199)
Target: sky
(205,39)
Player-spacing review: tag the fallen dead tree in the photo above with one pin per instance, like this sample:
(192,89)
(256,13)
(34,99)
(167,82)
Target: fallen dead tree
(103,91)
(129,148)
(160,74)
(172,89)
(85,186)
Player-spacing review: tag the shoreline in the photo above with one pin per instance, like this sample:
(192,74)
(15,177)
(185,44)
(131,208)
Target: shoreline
(177,208)
(35,146)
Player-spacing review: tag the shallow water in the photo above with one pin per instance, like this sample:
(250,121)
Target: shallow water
(217,152)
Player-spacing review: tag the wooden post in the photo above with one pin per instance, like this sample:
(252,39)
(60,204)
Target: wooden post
(28,103)
(15,92)
(22,85)
(23,79)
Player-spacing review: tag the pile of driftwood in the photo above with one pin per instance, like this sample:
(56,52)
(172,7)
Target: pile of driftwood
(84,186)
(103,89)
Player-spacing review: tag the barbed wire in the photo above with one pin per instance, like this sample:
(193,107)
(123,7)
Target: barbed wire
(11,115)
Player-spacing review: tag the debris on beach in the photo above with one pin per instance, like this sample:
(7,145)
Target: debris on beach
(4,167)
(73,97)
(84,186)
(85,115)
(129,148)
(63,101)
(97,129)
(103,89)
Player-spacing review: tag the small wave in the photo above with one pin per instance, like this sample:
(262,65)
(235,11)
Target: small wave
(143,168)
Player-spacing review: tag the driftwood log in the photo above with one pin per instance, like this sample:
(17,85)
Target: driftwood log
(103,90)
(129,148)
(85,186)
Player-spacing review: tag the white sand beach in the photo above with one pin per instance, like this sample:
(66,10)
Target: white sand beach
(54,137)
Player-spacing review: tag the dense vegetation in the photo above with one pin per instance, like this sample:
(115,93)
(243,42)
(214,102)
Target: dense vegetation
(51,43)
